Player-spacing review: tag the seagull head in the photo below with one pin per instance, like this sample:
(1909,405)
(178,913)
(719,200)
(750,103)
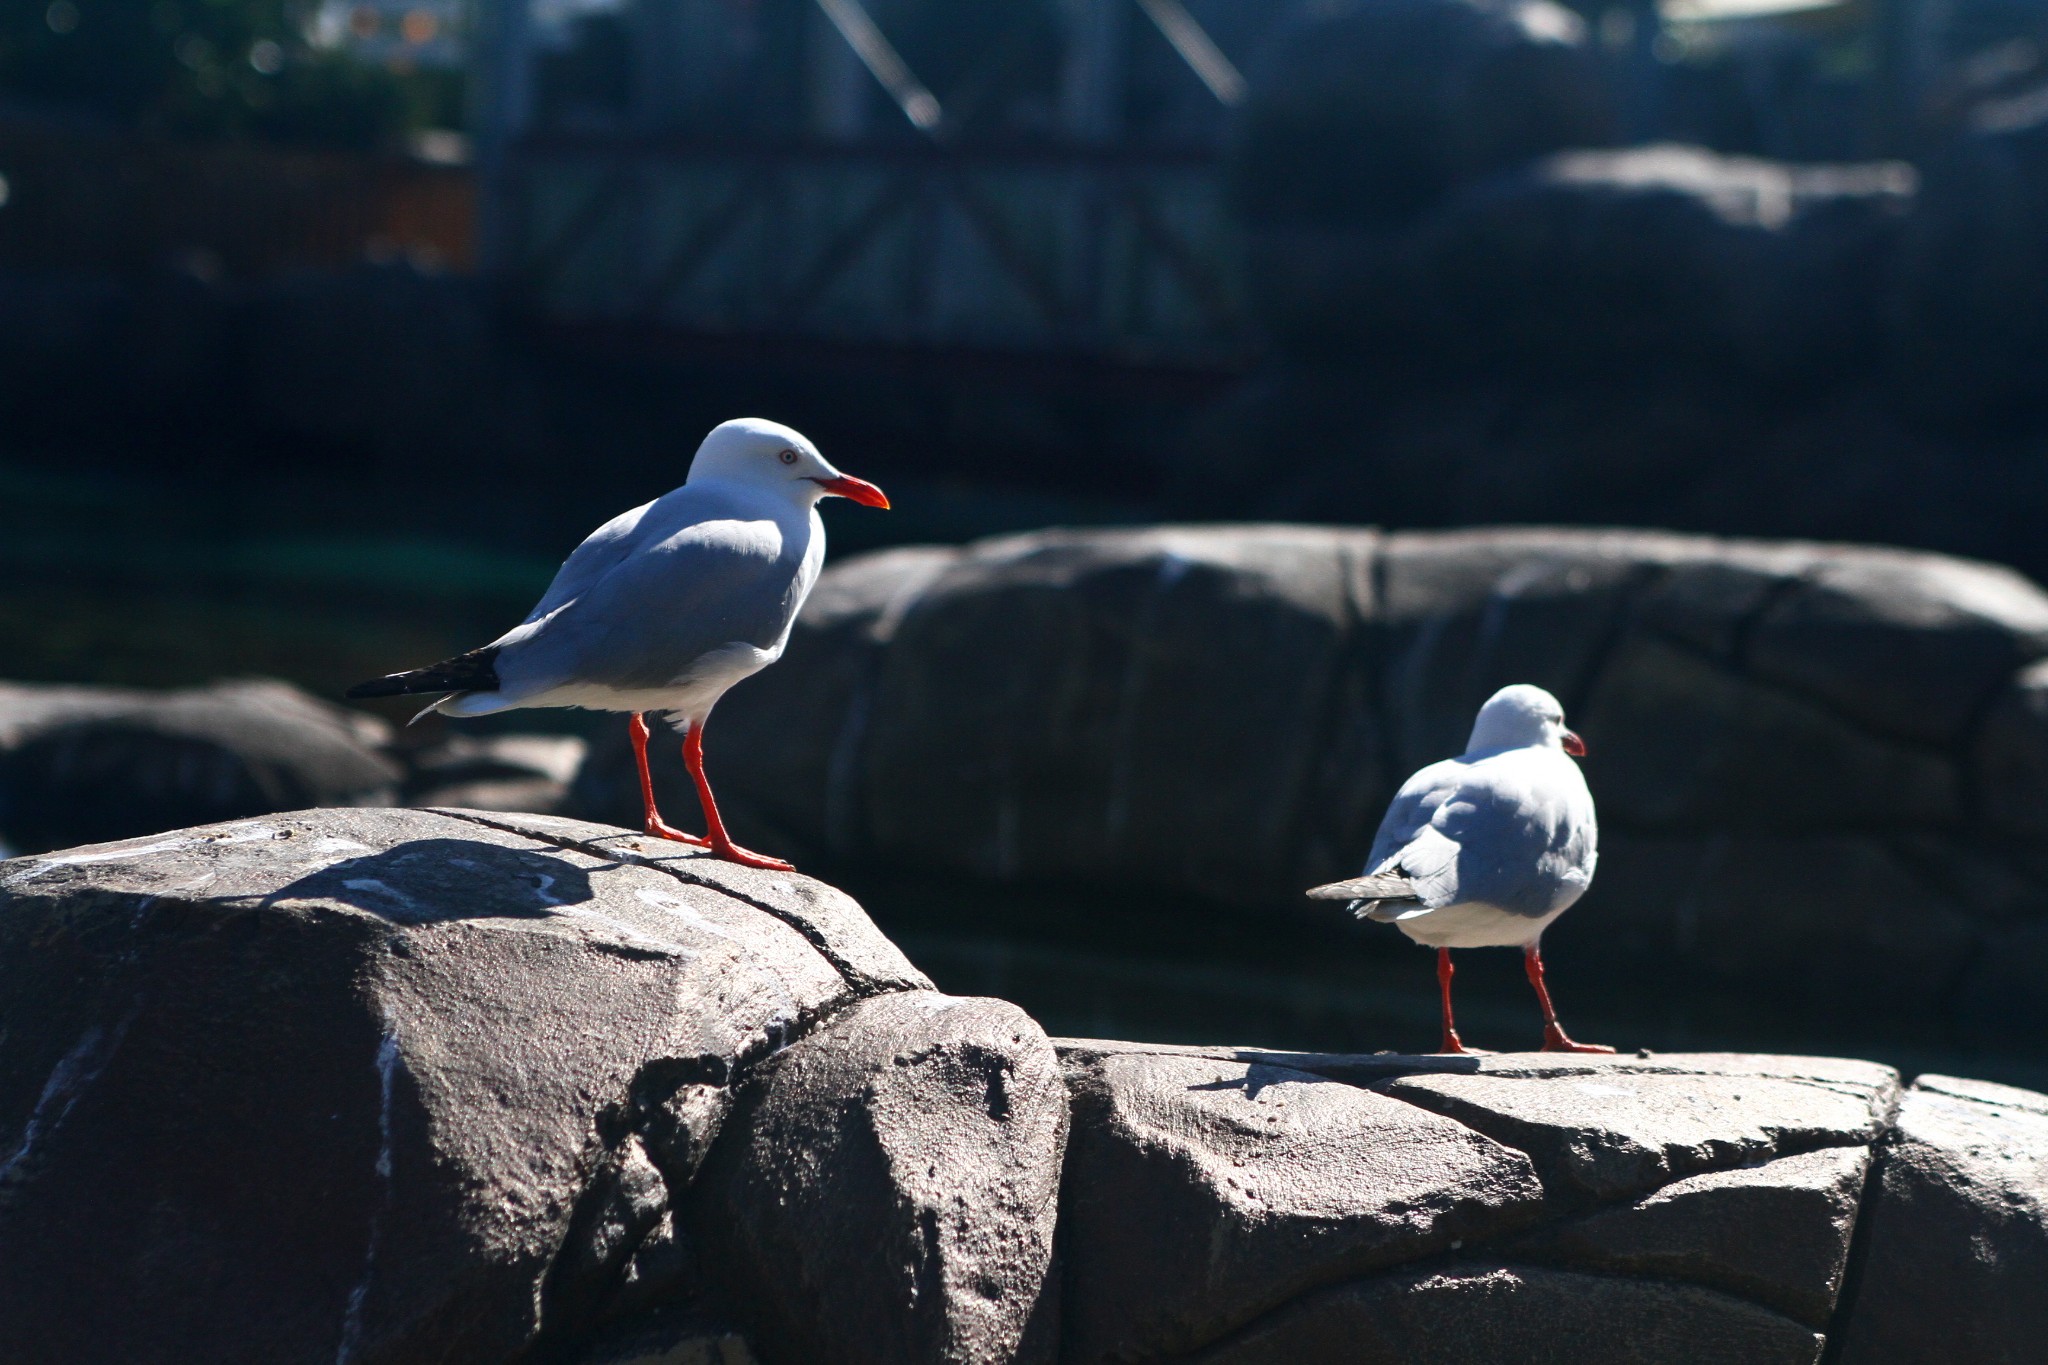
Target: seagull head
(1521,717)
(768,455)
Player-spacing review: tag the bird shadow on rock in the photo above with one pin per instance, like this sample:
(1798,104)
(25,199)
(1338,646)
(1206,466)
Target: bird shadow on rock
(1336,1067)
(431,880)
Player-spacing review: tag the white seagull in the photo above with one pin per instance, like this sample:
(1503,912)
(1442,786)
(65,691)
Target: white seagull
(666,606)
(1486,849)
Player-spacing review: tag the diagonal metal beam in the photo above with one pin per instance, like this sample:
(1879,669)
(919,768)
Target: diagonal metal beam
(1201,283)
(895,197)
(1038,286)
(884,63)
(538,268)
(699,246)
(1197,49)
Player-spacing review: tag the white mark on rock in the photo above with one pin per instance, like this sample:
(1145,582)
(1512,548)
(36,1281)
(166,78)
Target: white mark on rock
(352,1317)
(38,866)
(332,844)
(68,1081)
(382,889)
(247,834)
(544,890)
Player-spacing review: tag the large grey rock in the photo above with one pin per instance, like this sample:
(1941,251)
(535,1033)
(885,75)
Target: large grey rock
(1956,1250)
(1521,1313)
(1373,114)
(890,1190)
(81,764)
(1841,740)
(1202,1192)
(1775,1233)
(377,1085)
(1255,1205)
(1613,1132)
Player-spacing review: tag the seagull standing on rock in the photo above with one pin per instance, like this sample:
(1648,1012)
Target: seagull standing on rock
(666,606)
(1487,849)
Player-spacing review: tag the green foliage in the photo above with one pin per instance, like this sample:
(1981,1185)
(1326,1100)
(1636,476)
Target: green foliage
(212,69)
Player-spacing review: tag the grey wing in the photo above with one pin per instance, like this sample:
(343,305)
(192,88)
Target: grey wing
(1500,840)
(667,605)
(601,551)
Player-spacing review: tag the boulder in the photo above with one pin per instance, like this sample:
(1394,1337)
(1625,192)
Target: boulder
(1244,1205)
(1840,738)
(1956,1247)
(495,772)
(386,1085)
(1520,1313)
(1202,1192)
(79,764)
(890,1187)
(1370,114)
(397,1086)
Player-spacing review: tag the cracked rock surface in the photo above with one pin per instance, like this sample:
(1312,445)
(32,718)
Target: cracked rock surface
(1850,739)
(425,1086)
(421,1084)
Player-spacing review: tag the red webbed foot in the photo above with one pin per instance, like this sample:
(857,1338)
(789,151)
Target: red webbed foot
(1556,1040)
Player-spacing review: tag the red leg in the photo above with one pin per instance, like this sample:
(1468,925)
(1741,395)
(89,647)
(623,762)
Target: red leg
(653,822)
(721,844)
(1554,1038)
(1452,1043)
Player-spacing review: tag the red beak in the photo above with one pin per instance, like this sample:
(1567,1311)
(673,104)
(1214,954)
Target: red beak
(1573,745)
(860,490)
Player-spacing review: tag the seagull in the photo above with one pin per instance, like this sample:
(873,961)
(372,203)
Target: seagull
(665,607)
(1487,849)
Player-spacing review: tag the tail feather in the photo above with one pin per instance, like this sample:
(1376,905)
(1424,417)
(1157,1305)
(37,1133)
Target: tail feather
(476,671)
(1382,886)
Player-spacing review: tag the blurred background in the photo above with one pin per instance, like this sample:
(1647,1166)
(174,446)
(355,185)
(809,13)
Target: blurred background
(327,327)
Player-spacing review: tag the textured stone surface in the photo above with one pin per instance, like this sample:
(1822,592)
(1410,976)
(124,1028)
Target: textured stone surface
(1956,1248)
(889,1193)
(1613,1133)
(1202,1192)
(1842,740)
(414,1086)
(412,1083)
(79,764)
(1519,1313)
(1775,1233)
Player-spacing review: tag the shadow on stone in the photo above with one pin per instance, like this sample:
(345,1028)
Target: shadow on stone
(430,880)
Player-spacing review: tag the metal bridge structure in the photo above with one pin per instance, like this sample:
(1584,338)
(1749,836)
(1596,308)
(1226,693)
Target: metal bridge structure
(1032,179)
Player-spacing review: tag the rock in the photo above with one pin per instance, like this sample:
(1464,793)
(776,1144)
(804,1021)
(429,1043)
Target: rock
(1775,1233)
(79,764)
(2011,757)
(1955,1250)
(1201,1193)
(1835,737)
(377,1084)
(1372,115)
(1611,1132)
(1944,634)
(1520,1313)
(890,1189)
(496,772)
(1967,297)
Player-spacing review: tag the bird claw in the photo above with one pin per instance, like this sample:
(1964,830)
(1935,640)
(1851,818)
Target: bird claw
(733,853)
(1555,1040)
(656,829)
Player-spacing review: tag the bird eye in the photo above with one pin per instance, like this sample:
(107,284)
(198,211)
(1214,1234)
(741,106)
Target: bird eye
(789,457)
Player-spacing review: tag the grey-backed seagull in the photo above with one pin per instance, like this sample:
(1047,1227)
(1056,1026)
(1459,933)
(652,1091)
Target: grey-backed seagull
(666,606)
(1487,849)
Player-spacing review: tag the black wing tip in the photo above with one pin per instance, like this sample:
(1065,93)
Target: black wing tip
(390,686)
(475,671)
